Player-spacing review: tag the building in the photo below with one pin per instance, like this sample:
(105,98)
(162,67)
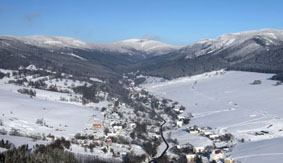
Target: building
(118,128)
(108,142)
(190,158)
(193,130)
(228,160)
(179,123)
(180,117)
(97,126)
(207,133)
(132,125)
(213,136)
(111,134)
(199,149)
(216,155)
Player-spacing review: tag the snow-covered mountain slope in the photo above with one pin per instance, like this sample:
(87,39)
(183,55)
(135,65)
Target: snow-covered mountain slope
(144,46)
(251,50)
(259,51)
(243,42)
(50,41)
(226,100)
(62,118)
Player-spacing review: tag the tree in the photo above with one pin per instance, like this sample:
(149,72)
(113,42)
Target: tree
(256,82)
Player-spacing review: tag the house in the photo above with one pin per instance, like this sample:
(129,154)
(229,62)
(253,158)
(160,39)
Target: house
(213,136)
(190,158)
(97,126)
(216,155)
(221,145)
(199,149)
(157,136)
(132,125)
(207,133)
(177,109)
(108,142)
(179,123)
(180,117)
(228,160)
(138,89)
(111,134)
(50,137)
(118,128)
(193,130)
(116,154)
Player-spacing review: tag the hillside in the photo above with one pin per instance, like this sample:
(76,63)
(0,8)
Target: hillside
(259,51)
(228,101)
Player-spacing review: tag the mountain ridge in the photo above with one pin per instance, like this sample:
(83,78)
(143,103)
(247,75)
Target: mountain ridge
(259,50)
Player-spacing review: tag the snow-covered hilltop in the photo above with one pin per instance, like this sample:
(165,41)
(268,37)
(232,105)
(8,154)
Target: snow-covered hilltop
(243,42)
(49,41)
(149,47)
(142,47)
(252,40)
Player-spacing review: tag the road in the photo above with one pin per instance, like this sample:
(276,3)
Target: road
(155,160)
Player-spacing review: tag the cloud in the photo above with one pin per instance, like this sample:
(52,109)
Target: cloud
(32,16)
(150,37)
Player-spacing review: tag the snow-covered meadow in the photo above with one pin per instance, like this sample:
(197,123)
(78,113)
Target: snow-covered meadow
(228,101)
(46,113)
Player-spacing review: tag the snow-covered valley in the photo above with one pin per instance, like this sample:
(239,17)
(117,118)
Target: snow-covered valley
(229,101)
(229,111)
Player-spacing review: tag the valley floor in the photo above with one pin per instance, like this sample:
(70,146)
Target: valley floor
(229,101)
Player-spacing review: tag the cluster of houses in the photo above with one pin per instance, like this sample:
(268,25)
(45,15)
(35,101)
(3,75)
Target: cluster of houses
(216,154)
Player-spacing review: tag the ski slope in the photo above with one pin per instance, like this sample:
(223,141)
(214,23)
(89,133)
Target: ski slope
(228,101)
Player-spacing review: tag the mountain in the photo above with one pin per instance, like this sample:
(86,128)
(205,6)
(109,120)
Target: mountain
(58,54)
(53,42)
(251,50)
(244,43)
(68,54)
(143,47)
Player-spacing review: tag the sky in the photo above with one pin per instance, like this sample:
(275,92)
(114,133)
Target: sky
(178,22)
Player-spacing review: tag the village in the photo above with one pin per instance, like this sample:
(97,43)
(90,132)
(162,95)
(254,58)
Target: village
(128,128)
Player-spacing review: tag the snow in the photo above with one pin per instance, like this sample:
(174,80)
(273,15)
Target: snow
(2,150)
(54,41)
(194,139)
(132,46)
(259,151)
(62,118)
(76,56)
(142,47)
(151,79)
(227,101)
(67,118)
(18,141)
(96,80)
(31,67)
(233,40)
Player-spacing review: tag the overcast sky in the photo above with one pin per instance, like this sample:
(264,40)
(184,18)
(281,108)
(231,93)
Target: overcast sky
(177,22)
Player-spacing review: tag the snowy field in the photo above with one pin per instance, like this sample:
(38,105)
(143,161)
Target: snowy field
(228,101)
(59,118)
